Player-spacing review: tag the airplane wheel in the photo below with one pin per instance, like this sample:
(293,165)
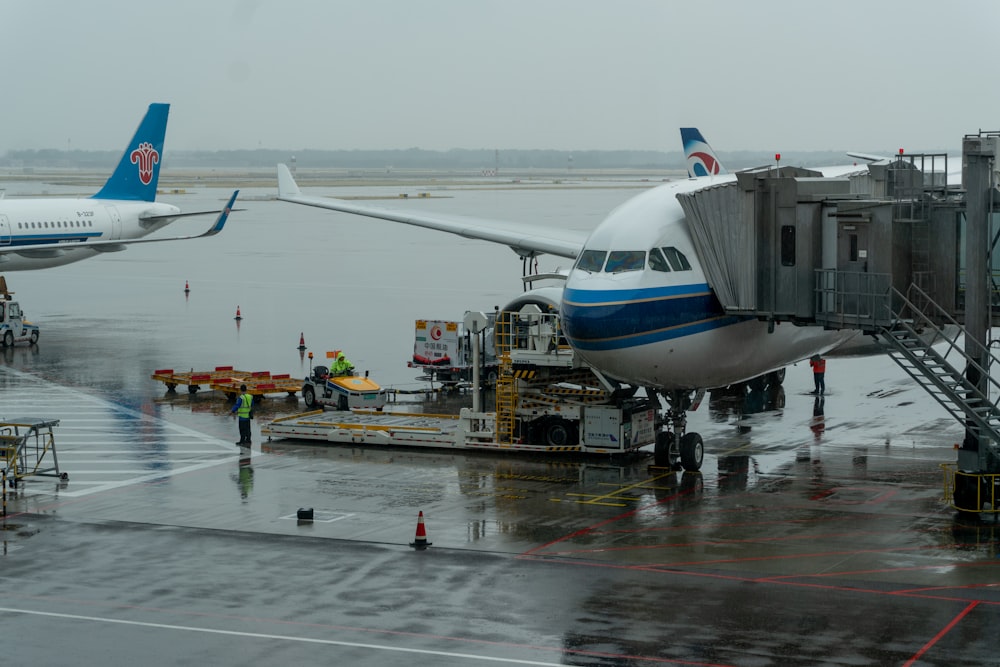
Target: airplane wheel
(309,396)
(692,451)
(8,339)
(662,455)
(34,337)
(777,377)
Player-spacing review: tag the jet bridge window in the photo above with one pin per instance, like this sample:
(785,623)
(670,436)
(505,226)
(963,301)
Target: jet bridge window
(620,261)
(676,259)
(787,245)
(591,260)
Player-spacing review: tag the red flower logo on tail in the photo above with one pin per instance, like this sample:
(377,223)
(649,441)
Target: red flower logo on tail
(145,156)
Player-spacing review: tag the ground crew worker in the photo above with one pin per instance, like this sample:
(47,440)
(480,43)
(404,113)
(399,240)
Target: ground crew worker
(243,409)
(818,365)
(341,366)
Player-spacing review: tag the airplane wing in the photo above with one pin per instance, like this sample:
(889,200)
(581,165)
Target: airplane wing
(868,157)
(525,240)
(176,216)
(42,250)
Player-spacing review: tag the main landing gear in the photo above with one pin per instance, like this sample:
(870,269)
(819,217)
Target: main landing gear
(675,448)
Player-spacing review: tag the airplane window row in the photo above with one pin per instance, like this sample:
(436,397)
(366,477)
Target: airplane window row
(619,261)
(55,225)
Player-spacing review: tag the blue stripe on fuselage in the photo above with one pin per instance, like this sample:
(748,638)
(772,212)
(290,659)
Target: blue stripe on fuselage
(616,319)
(36,239)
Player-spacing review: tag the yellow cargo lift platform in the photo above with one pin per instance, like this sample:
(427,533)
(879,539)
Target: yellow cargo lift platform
(24,444)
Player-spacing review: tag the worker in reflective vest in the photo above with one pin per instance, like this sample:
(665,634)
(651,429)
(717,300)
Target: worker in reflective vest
(341,366)
(243,409)
(818,365)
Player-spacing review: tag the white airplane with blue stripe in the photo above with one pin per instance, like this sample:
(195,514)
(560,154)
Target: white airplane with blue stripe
(39,233)
(636,306)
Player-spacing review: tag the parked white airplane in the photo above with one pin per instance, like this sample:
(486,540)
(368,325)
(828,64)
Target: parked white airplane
(41,233)
(636,305)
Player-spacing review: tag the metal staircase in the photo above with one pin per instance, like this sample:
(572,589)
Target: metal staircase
(942,372)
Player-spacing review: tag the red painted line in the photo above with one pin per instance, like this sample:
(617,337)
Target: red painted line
(945,630)
(889,570)
(818,554)
(740,524)
(738,578)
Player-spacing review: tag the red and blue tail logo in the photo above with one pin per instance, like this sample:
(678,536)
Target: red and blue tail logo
(138,170)
(701,159)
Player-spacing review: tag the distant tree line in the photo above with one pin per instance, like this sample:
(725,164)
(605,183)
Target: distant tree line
(415,158)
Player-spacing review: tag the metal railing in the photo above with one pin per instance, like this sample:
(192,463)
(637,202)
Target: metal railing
(853,300)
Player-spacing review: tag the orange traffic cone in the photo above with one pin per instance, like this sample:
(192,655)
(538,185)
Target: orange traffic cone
(420,543)
(186,288)
(302,341)
(238,316)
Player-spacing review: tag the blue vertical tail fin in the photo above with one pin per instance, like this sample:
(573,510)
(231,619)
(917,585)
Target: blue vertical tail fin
(701,159)
(138,171)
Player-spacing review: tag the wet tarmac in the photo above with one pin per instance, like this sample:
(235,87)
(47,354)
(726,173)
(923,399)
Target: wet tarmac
(815,534)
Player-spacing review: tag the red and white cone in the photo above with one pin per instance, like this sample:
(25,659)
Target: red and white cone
(186,287)
(238,316)
(420,542)
(302,341)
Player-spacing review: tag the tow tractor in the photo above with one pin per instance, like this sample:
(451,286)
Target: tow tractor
(341,392)
(13,327)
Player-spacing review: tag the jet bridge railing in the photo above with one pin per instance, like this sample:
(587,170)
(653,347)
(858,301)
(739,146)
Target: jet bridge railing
(918,307)
(853,300)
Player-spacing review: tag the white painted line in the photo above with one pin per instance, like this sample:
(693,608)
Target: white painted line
(290,638)
(332,516)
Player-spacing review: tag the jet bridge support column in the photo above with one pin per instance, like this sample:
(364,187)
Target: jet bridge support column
(980,155)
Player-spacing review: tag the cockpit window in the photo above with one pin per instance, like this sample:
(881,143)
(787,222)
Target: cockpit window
(657,261)
(676,259)
(591,260)
(620,261)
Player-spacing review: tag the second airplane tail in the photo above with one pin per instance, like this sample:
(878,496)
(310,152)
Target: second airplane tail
(138,170)
(701,159)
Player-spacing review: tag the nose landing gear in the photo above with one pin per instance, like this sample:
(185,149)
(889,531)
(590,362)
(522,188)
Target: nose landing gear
(675,448)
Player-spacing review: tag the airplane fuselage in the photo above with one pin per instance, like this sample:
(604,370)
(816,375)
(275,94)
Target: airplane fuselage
(28,223)
(658,323)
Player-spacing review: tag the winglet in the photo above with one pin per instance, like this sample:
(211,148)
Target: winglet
(701,159)
(220,222)
(138,169)
(287,187)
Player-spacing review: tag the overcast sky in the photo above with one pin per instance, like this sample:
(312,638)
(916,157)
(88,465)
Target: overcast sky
(561,74)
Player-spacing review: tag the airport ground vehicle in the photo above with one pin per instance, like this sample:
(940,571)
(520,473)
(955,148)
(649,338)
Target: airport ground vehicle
(13,327)
(343,392)
(546,400)
(442,349)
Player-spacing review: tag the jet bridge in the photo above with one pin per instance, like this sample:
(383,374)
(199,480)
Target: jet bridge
(896,252)
(787,245)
